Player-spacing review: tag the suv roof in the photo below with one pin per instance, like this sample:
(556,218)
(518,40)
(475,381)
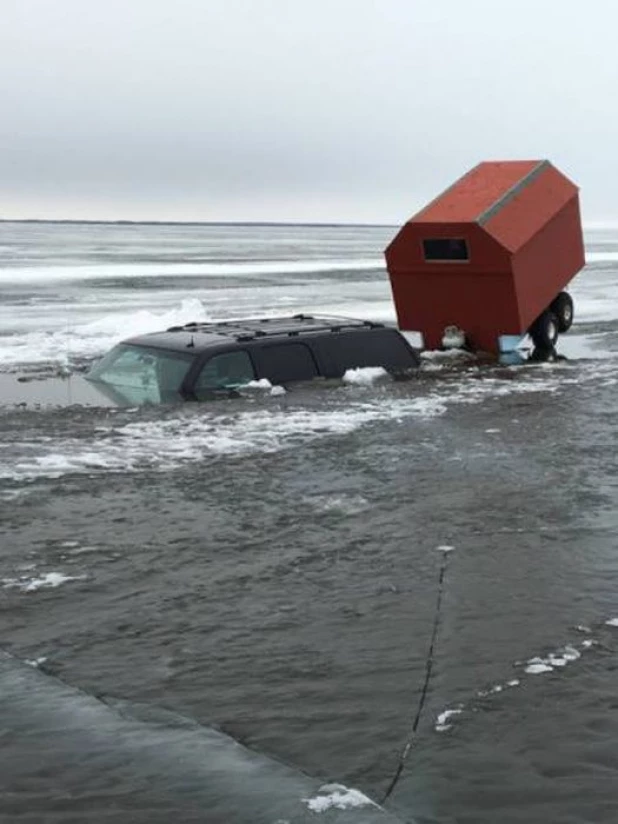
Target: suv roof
(203,335)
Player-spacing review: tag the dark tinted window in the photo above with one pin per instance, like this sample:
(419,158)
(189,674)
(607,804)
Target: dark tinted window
(445,248)
(225,371)
(379,347)
(286,362)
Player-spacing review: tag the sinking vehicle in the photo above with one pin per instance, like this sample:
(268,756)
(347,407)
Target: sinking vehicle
(201,361)
(198,361)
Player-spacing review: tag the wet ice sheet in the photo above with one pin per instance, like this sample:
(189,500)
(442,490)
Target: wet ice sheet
(170,758)
(170,443)
(194,434)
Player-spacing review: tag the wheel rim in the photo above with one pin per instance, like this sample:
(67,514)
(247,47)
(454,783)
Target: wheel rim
(552,331)
(567,314)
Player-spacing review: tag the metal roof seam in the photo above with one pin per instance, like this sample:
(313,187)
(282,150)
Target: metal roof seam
(516,189)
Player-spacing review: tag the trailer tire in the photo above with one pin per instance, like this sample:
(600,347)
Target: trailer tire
(562,307)
(545,330)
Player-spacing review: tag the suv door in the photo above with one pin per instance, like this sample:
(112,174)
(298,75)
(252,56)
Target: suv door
(353,349)
(223,372)
(285,362)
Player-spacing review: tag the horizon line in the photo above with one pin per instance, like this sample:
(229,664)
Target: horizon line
(593,225)
(91,221)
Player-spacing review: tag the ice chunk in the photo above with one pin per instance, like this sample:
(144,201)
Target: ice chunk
(443,719)
(263,383)
(338,796)
(50,579)
(365,375)
(538,667)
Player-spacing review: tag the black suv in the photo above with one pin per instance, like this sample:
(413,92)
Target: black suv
(200,360)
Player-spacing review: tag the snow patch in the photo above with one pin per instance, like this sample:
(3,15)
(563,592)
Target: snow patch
(364,376)
(612,622)
(338,796)
(50,579)
(36,662)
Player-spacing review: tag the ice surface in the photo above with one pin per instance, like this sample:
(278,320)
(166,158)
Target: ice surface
(92,305)
(137,270)
(92,338)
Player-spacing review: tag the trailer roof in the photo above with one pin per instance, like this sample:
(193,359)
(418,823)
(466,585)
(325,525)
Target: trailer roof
(510,199)
(483,188)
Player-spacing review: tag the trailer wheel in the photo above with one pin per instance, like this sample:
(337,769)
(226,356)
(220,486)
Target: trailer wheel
(545,330)
(562,307)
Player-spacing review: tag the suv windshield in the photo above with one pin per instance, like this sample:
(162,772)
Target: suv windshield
(143,375)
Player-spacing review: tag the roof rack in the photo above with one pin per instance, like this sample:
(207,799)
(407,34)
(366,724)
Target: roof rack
(252,328)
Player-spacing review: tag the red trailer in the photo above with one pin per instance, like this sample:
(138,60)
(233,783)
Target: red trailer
(491,257)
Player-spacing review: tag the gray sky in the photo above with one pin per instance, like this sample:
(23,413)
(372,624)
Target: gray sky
(344,110)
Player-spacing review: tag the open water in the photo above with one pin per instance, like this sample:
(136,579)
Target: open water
(268,566)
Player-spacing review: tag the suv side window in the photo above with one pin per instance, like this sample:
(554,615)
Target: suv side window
(380,347)
(227,370)
(286,362)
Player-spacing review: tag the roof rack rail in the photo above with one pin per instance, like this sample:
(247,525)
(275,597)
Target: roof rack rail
(277,326)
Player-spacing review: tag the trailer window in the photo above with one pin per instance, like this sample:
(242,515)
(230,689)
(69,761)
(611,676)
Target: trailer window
(445,248)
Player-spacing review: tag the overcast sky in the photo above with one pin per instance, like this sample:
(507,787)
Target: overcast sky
(343,110)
